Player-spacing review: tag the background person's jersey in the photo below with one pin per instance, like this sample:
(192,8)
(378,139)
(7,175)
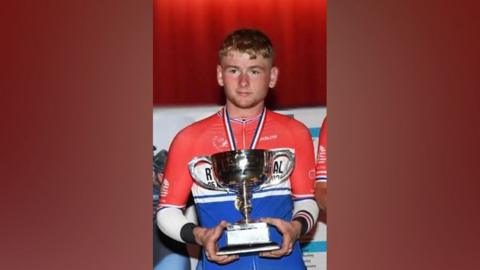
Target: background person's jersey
(321,166)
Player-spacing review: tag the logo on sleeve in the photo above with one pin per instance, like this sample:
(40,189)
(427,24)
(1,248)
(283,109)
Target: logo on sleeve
(220,143)
(164,189)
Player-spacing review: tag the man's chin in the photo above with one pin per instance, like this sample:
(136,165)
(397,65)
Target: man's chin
(246,106)
(245,103)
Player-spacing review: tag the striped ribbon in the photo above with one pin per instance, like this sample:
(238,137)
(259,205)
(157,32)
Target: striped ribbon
(256,135)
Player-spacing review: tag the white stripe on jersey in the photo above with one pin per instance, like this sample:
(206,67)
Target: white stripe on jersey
(225,198)
(229,197)
(273,192)
(302,196)
(163,205)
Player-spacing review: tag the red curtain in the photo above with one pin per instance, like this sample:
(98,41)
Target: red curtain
(188,34)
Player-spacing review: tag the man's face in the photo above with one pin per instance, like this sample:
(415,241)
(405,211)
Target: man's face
(246,81)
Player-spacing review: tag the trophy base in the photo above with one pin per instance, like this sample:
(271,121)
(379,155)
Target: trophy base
(246,238)
(239,249)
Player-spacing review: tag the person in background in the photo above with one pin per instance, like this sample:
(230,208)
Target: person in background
(246,71)
(321,169)
(167,253)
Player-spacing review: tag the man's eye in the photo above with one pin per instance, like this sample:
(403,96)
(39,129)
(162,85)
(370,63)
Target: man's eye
(255,72)
(232,70)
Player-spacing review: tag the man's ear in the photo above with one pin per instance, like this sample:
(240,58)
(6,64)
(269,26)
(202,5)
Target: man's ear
(273,77)
(219,75)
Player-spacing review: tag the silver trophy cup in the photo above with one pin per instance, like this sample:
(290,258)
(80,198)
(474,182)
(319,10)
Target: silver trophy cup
(243,172)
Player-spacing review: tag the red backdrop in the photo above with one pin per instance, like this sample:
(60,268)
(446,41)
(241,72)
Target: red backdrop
(187,35)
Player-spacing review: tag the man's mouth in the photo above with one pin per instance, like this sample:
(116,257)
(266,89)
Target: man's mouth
(243,94)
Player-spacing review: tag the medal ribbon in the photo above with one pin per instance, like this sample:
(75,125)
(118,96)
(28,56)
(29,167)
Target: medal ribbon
(256,135)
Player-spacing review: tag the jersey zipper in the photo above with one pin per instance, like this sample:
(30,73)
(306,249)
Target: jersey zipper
(243,132)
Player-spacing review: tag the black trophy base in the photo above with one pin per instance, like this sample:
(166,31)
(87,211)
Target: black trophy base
(247,248)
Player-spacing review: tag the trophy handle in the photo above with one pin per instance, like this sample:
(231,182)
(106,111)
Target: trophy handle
(286,152)
(203,180)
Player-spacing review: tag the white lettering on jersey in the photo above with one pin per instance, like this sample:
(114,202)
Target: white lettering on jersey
(269,137)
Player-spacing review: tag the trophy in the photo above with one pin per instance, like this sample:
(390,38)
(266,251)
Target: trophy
(242,172)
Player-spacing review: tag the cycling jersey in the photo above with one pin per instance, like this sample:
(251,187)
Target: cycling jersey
(209,136)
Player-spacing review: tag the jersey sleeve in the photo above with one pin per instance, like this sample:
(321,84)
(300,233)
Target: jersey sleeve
(177,181)
(303,180)
(321,163)
(303,176)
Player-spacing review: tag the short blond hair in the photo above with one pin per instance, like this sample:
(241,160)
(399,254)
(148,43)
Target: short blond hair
(250,41)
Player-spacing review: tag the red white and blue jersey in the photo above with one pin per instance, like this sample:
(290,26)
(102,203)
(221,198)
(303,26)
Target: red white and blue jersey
(321,165)
(210,136)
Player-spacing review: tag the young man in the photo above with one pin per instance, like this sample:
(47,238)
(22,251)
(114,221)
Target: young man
(246,72)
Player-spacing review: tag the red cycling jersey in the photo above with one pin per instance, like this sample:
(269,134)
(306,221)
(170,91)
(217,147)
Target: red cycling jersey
(209,136)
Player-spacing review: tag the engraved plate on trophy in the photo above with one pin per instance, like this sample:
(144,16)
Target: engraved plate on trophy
(243,172)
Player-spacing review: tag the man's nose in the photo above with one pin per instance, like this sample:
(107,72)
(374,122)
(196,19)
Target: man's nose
(243,79)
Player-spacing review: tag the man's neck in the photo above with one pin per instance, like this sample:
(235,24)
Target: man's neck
(242,113)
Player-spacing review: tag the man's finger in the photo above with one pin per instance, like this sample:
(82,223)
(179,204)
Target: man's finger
(227,259)
(209,253)
(217,258)
(280,252)
(220,227)
(222,259)
(216,232)
(274,253)
(278,223)
(287,241)
(272,221)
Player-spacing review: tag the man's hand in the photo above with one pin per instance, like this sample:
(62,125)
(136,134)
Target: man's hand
(157,178)
(291,233)
(208,239)
(321,195)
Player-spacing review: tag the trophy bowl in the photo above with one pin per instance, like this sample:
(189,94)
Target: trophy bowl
(234,168)
(243,172)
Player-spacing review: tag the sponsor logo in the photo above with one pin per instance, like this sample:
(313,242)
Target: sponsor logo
(220,143)
(269,137)
(279,169)
(204,174)
(322,155)
(164,189)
